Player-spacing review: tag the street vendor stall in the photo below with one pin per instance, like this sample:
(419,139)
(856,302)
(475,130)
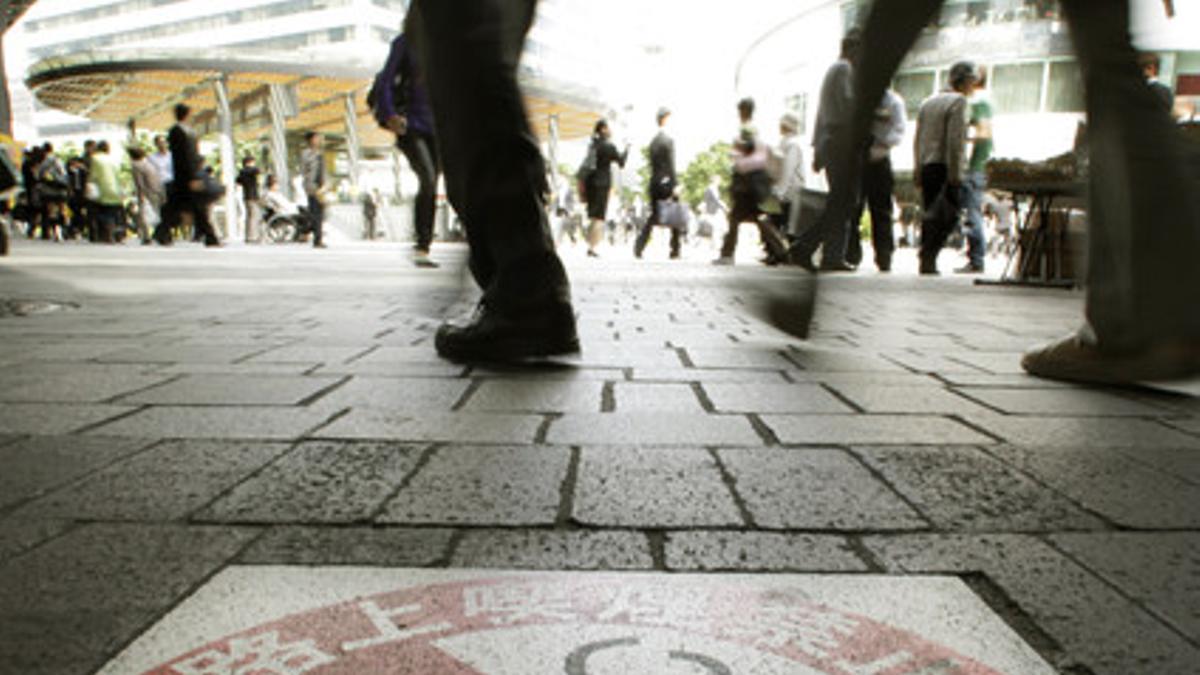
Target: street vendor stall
(1041,254)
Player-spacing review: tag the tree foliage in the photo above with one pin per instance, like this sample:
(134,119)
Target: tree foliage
(695,178)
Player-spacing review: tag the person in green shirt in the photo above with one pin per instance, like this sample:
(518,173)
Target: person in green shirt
(103,173)
(980,130)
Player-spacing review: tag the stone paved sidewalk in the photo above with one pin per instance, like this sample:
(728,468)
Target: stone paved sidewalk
(189,410)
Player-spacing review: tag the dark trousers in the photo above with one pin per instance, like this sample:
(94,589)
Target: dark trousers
(876,196)
(316,218)
(421,152)
(108,217)
(495,177)
(1144,213)
(185,202)
(935,231)
(655,218)
(832,229)
(745,210)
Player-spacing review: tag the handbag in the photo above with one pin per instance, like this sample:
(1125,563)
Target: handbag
(940,213)
(671,214)
(806,210)
(212,189)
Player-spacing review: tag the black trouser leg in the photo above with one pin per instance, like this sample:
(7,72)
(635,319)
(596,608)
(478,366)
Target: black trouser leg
(934,233)
(316,216)
(878,182)
(494,169)
(421,153)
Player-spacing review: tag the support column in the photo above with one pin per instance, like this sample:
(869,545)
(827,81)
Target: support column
(352,144)
(5,100)
(279,103)
(233,224)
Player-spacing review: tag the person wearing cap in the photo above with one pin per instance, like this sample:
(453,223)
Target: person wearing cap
(663,182)
(940,160)
(887,130)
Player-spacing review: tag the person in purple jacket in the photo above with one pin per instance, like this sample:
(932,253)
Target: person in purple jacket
(401,104)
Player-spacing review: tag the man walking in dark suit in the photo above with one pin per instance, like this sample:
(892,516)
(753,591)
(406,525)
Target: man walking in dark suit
(662,185)
(187,191)
(495,179)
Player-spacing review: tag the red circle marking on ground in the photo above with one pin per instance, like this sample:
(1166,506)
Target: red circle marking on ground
(396,632)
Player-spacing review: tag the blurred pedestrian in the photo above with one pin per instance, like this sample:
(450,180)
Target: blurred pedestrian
(830,232)
(312,168)
(661,189)
(979,129)
(1144,221)
(247,180)
(597,182)
(878,181)
(1151,66)
(104,174)
(940,161)
(160,159)
(53,189)
(400,102)
(191,191)
(750,187)
(495,180)
(149,193)
(789,181)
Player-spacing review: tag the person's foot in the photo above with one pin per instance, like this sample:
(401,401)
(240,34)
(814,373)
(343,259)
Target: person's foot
(929,267)
(494,335)
(724,260)
(320,246)
(841,266)
(969,268)
(674,255)
(592,253)
(213,244)
(421,259)
(1076,359)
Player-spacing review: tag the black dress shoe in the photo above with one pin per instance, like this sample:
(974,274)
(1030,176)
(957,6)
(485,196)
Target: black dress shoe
(802,259)
(495,335)
(842,266)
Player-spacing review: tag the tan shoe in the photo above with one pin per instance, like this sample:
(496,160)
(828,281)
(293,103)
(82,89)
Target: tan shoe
(1078,360)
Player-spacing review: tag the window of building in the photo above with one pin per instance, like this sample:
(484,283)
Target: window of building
(1017,87)
(1065,93)
(914,88)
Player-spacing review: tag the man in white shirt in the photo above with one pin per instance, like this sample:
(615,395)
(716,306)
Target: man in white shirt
(160,159)
(887,130)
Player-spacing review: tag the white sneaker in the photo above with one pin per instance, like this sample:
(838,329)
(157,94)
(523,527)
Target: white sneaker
(723,260)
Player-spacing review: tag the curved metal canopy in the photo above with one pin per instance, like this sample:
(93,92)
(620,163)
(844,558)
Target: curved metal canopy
(141,87)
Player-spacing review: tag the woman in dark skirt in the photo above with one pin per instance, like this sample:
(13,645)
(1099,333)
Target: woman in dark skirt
(598,182)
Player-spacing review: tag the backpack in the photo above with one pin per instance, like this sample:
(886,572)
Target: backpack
(398,80)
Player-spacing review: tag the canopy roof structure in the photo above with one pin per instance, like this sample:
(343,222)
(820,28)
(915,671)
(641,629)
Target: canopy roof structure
(140,87)
(11,11)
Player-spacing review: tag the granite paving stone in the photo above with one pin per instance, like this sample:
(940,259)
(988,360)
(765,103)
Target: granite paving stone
(460,427)
(930,400)
(1161,570)
(823,360)
(571,372)
(241,369)
(540,395)
(872,429)
(1083,431)
(1074,402)
(646,398)
(712,551)
(268,423)
(739,357)
(652,487)
(319,482)
(486,485)
(774,398)
(256,389)
(554,550)
(438,369)
(818,489)
(175,353)
(39,642)
(36,464)
(369,546)
(707,375)
(1110,483)
(433,395)
(1117,637)
(1181,464)
(637,428)
(310,354)
(866,379)
(18,535)
(58,419)
(960,488)
(166,482)
(81,387)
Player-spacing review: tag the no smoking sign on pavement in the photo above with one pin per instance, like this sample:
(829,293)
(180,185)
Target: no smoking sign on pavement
(289,620)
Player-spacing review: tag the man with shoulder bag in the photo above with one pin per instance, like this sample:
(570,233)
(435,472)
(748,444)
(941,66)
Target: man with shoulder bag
(665,208)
